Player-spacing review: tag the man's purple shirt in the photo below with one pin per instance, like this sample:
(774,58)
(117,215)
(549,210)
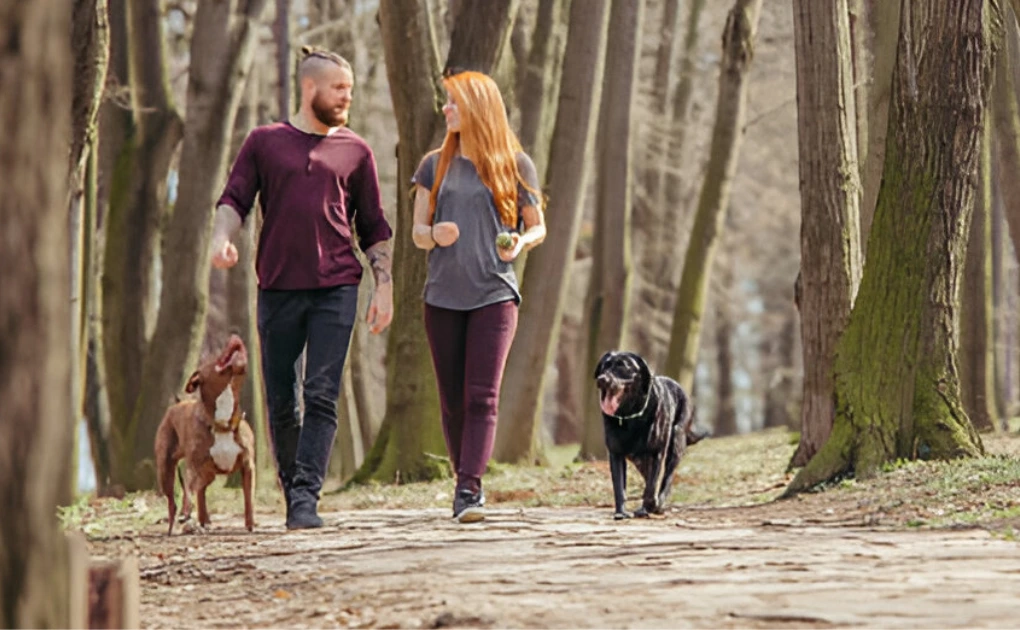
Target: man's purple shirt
(312,188)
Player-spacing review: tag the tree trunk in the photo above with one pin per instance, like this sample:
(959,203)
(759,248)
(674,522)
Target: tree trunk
(861,63)
(538,87)
(977,350)
(897,389)
(648,207)
(1007,136)
(830,197)
(544,289)
(90,41)
(1003,306)
(782,407)
(224,40)
(35,351)
(885,24)
(242,287)
(726,405)
(140,132)
(670,233)
(281,34)
(410,435)
(738,43)
(610,287)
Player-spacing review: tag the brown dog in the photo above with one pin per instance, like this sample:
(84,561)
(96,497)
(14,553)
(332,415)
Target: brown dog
(210,434)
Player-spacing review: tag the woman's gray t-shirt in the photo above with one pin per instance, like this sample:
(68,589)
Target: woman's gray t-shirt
(469,274)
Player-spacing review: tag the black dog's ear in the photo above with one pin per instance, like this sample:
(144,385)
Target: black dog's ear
(602,364)
(193,382)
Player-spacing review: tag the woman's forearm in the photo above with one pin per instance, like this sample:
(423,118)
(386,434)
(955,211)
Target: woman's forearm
(422,237)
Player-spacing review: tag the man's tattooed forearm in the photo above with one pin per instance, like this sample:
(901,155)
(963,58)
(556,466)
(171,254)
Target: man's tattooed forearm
(382,263)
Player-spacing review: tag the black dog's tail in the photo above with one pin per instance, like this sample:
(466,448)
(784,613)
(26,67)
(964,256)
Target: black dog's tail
(695,433)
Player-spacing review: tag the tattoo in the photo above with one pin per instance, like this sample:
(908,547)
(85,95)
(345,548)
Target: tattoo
(382,262)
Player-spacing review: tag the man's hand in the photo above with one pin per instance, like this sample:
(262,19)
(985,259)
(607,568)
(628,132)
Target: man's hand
(224,255)
(445,233)
(380,311)
(225,225)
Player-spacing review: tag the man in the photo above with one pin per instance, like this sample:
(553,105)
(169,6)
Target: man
(317,180)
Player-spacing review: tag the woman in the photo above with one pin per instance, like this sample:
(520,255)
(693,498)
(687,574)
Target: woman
(478,186)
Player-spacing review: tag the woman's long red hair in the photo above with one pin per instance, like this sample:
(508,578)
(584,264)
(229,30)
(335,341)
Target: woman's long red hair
(485,130)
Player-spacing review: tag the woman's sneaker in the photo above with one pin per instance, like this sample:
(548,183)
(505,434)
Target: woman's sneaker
(468,506)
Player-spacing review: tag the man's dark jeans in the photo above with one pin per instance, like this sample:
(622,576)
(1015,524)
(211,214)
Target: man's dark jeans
(320,320)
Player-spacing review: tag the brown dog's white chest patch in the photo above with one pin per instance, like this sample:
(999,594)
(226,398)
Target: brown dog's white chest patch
(224,451)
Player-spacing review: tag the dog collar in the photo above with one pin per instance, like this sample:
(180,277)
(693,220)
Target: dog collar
(636,414)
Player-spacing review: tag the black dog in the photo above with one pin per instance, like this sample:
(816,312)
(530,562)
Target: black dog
(648,420)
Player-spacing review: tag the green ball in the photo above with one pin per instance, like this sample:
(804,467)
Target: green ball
(504,241)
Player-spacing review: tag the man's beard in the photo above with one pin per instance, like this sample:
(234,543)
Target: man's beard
(329,116)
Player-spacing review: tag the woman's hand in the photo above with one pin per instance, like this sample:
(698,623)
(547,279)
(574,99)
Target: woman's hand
(445,233)
(509,254)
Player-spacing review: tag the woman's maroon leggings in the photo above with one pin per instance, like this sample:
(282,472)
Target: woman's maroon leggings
(469,350)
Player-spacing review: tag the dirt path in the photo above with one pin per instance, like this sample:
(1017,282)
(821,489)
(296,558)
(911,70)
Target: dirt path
(558,567)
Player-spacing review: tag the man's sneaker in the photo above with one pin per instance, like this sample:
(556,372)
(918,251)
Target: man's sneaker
(469,507)
(302,515)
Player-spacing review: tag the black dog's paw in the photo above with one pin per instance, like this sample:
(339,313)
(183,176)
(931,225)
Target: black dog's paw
(621,515)
(641,512)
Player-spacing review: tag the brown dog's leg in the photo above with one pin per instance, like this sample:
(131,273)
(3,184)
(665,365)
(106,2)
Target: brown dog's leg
(247,482)
(203,511)
(187,482)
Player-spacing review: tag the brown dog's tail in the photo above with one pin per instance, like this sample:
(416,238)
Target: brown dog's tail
(166,445)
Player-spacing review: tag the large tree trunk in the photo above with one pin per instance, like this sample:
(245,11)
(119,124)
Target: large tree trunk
(977,351)
(411,435)
(610,287)
(737,50)
(782,403)
(223,40)
(140,132)
(885,25)
(897,388)
(281,35)
(830,196)
(35,351)
(544,288)
(649,209)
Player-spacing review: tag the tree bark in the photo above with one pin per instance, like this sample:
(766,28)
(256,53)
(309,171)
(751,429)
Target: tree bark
(830,196)
(977,349)
(538,87)
(737,43)
(224,40)
(672,200)
(544,289)
(90,41)
(610,287)
(140,132)
(885,24)
(649,209)
(35,343)
(410,435)
(242,287)
(281,34)
(726,404)
(897,387)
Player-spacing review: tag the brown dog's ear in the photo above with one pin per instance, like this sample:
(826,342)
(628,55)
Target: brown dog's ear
(193,382)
